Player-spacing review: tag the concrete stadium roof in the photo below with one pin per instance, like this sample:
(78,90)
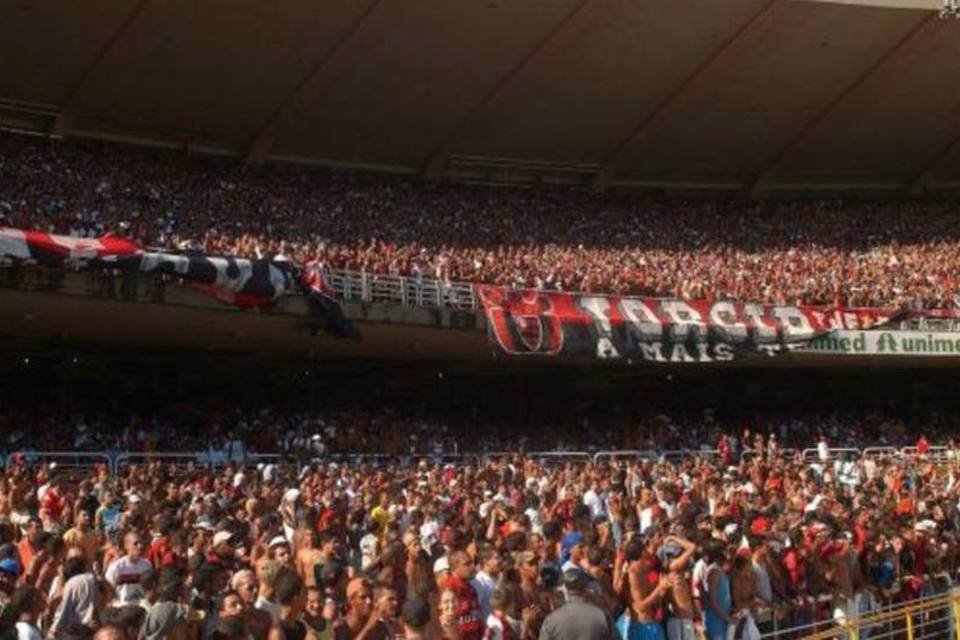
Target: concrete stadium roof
(762,95)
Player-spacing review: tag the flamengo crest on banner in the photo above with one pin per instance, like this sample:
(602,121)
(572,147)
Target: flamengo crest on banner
(549,323)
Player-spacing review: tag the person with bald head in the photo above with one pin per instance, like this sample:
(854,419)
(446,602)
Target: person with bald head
(360,617)
(108,632)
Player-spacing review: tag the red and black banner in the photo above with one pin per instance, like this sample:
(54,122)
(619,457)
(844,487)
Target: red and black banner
(236,281)
(631,329)
(240,282)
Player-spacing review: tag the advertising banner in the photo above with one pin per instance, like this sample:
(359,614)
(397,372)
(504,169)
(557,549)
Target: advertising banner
(886,343)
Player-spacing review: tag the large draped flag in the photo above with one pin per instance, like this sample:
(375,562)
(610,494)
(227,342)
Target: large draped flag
(237,281)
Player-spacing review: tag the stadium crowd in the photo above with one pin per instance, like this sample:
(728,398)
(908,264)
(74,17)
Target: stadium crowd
(818,252)
(507,548)
(233,432)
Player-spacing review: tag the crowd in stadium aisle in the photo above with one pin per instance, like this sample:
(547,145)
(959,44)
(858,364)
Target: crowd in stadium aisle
(574,239)
(507,549)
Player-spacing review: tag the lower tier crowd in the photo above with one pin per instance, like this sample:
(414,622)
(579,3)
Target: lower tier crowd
(507,549)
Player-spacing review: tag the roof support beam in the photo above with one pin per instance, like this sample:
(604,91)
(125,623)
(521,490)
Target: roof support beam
(435,161)
(64,122)
(918,184)
(771,165)
(264,138)
(646,124)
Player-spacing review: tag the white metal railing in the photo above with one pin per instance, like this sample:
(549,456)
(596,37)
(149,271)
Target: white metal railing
(218,459)
(880,452)
(624,454)
(936,453)
(832,453)
(785,452)
(114,461)
(61,458)
(416,291)
(201,459)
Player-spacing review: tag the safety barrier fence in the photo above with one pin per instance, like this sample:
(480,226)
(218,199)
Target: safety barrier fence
(67,459)
(926,618)
(814,454)
(362,286)
(938,454)
(880,452)
(786,452)
(114,461)
(202,459)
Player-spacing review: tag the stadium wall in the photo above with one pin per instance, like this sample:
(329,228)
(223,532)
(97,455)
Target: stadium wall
(51,307)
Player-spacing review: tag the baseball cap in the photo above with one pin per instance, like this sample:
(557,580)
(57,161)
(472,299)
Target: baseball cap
(10,566)
(760,526)
(441,564)
(415,613)
(204,523)
(221,536)
(669,551)
(576,579)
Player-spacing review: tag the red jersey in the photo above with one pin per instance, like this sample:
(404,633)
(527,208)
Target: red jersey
(469,624)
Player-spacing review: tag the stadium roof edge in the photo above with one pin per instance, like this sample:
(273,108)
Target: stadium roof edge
(800,92)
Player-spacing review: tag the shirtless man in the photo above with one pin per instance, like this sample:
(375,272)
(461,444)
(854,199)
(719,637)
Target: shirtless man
(743,583)
(676,554)
(837,560)
(308,557)
(645,590)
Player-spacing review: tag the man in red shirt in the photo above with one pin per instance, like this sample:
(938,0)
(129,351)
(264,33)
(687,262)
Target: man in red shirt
(52,504)
(27,547)
(161,543)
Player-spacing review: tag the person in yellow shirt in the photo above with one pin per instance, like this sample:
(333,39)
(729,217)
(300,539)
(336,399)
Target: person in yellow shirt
(381,513)
(82,536)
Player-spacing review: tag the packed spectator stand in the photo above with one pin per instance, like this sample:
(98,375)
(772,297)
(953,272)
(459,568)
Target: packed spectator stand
(575,239)
(367,522)
(420,541)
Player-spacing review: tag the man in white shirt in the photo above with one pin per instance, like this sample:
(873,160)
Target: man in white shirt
(823,450)
(127,572)
(369,547)
(594,501)
(487,578)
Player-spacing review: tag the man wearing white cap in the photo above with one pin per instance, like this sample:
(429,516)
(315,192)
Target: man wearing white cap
(288,512)
(441,569)
(279,549)
(222,551)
